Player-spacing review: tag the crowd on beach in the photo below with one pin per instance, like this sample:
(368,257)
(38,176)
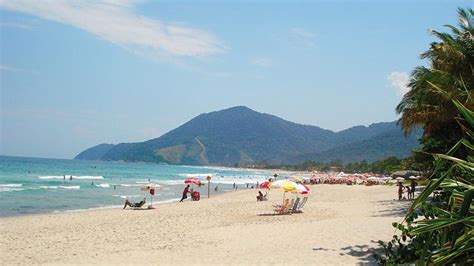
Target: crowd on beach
(308,179)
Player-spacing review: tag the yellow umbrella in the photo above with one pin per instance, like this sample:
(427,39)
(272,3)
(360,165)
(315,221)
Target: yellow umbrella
(286,185)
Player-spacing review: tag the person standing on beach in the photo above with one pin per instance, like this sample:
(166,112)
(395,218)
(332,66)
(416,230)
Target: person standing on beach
(185,193)
(413,187)
(70,178)
(400,190)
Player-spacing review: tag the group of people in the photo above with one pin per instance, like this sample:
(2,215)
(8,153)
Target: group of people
(410,190)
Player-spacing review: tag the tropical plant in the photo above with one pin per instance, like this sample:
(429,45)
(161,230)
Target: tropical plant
(451,68)
(440,230)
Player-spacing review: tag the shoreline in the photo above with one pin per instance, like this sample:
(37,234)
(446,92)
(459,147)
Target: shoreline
(233,227)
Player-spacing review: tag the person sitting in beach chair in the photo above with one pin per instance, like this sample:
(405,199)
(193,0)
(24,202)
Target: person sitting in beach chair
(134,205)
(283,208)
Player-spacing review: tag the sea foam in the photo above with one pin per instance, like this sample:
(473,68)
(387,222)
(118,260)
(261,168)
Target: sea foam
(84,177)
(60,187)
(11,185)
(10,189)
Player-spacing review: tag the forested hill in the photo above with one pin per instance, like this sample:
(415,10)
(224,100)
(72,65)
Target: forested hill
(239,135)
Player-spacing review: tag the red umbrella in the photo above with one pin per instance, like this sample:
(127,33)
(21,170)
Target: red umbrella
(265,184)
(193,180)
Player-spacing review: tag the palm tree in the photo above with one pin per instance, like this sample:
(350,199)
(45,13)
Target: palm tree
(451,61)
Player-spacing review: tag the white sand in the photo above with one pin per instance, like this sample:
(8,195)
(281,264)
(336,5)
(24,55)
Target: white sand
(339,226)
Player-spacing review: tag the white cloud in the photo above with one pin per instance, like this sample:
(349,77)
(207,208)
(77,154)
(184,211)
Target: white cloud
(303,36)
(399,81)
(115,21)
(262,62)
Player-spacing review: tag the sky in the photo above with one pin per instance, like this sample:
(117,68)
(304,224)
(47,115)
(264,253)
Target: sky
(74,74)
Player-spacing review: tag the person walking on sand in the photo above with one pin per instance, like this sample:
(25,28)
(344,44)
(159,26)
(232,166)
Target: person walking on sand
(408,192)
(185,193)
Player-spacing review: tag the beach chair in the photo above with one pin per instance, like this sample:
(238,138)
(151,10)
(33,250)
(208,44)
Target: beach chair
(265,197)
(298,209)
(295,206)
(282,208)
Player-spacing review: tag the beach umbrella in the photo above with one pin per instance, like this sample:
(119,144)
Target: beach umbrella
(285,185)
(265,184)
(400,178)
(300,188)
(413,177)
(150,188)
(193,180)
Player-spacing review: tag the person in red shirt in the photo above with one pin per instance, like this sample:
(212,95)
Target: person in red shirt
(185,193)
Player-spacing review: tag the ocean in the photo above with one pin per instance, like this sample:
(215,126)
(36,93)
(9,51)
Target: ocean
(35,185)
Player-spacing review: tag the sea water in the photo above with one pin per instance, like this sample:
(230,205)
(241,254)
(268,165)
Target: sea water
(34,185)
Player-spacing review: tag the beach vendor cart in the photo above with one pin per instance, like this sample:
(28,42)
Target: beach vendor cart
(195,195)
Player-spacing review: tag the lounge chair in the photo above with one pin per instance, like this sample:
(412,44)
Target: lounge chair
(295,206)
(135,206)
(283,208)
(298,209)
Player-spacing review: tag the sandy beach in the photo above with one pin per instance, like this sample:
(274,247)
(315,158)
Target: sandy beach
(340,225)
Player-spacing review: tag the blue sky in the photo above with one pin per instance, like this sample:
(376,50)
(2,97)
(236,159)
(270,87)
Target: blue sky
(76,74)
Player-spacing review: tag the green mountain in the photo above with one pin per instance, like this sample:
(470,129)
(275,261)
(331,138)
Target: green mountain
(381,146)
(243,136)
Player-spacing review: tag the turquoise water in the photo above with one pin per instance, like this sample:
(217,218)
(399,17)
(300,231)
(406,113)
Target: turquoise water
(34,185)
